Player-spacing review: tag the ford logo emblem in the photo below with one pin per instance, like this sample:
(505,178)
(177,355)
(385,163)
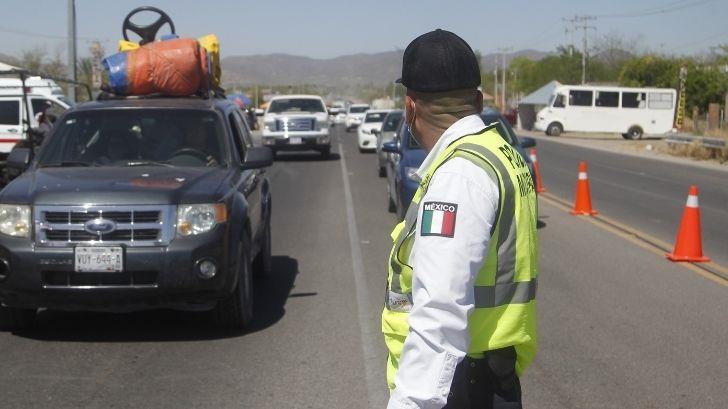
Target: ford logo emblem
(100,226)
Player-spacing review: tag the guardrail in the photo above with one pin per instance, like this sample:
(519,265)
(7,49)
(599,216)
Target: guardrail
(706,142)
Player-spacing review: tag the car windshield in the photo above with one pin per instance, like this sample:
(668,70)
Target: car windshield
(375,117)
(391,122)
(278,106)
(137,137)
(411,142)
(358,109)
(504,129)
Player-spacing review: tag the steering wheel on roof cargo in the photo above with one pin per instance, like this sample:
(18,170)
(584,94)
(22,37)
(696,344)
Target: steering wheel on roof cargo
(149,32)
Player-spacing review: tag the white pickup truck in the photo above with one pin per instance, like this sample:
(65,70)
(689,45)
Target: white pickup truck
(297,123)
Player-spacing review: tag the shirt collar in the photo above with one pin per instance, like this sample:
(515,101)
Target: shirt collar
(465,126)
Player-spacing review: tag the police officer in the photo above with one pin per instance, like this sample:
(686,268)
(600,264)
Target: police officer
(460,314)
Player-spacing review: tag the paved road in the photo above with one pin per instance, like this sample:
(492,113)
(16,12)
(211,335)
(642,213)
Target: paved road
(644,193)
(619,327)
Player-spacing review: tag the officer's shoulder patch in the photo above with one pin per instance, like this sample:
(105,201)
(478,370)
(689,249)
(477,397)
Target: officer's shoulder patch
(438,219)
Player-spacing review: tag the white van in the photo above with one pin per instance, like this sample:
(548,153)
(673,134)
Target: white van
(631,112)
(40,93)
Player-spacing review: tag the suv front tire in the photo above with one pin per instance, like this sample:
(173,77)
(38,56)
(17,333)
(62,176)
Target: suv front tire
(236,311)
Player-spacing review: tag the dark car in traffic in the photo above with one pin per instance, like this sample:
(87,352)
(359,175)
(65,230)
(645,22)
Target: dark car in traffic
(406,156)
(138,203)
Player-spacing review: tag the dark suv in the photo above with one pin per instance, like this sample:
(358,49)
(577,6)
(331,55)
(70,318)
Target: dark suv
(137,203)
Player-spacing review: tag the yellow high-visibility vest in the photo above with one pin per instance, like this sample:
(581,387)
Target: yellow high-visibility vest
(505,288)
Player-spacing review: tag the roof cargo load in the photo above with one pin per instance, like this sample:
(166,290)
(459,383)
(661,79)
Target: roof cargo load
(173,66)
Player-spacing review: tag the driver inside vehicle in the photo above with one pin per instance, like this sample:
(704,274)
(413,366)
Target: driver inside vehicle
(195,141)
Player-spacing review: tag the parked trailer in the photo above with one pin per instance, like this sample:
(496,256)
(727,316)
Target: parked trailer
(632,112)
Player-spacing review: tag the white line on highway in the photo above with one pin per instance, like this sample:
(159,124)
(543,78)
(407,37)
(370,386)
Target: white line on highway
(368,337)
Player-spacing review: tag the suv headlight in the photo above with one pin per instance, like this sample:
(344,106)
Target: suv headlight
(199,218)
(15,220)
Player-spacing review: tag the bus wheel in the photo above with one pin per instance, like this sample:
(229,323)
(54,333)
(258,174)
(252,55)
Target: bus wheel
(634,132)
(554,129)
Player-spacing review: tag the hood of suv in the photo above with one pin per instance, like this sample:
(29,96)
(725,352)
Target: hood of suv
(116,185)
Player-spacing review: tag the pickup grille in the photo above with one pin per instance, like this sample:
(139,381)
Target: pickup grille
(59,226)
(296,124)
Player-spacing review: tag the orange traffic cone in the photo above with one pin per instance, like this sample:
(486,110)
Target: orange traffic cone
(537,171)
(688,244)
(582,204)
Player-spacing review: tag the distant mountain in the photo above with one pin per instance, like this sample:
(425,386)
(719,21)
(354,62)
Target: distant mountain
(347,70)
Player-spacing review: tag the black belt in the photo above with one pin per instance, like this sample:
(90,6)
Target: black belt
(489,382)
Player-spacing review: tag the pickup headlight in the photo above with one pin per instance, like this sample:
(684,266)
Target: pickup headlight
(15,220)
(411,173)
(199,218)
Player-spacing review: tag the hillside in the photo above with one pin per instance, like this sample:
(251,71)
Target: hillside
(347,70)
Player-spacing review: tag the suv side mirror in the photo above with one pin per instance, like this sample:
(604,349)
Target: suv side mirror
(390,147)
(19,159)
(257,157)
(527,142)
(376,131)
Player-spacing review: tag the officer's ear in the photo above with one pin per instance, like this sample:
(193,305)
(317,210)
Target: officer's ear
(478,101)
(409,104)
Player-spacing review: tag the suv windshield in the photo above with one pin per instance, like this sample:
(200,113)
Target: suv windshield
(391,122)
(137,137)
(358,109)
(375,117)
(296,105)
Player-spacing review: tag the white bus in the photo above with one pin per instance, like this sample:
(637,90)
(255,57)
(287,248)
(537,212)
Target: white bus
(631,112)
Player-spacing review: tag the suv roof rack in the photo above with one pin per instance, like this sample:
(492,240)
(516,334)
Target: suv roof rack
(215,92)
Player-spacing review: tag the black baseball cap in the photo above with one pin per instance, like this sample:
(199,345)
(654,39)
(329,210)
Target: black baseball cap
(439,61)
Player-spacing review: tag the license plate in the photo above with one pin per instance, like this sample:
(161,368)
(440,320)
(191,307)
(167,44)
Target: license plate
(98,259)
(294,140)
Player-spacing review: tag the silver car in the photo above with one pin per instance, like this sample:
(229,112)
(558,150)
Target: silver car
(389,130)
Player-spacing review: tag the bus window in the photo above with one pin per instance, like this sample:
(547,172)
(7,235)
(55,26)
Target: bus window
(580,98)
(559,101)
(633,99)
(660,100)
(609,99)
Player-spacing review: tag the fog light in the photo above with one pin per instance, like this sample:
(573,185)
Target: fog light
(206,269)
(269,141)
(322,139)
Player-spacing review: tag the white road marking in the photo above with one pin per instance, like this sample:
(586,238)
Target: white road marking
(374,380)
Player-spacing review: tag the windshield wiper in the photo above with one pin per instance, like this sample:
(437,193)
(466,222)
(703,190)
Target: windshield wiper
(67,164)
(149,163)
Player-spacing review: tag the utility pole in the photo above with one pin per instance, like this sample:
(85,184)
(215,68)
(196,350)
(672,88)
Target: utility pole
(504,73)
(495,80)
(72,48)
(583,22)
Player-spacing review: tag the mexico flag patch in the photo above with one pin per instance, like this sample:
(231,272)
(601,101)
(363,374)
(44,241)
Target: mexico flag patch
(438,219)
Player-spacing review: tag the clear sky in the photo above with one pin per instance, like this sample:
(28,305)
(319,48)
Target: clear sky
(322,29)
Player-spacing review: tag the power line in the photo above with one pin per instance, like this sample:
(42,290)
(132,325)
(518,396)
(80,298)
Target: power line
(700,41)
(664,9)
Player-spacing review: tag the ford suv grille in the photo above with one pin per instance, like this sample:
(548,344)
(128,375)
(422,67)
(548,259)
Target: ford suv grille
(63,226)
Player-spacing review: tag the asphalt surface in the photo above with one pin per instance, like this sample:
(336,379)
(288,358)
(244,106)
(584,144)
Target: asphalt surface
(644,193)
(619,327)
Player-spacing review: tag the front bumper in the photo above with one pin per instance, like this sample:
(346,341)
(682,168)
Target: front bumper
(153,277)
(296,141)
(540,125)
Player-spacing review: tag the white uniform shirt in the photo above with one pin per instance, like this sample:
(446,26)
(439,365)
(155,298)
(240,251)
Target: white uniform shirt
(445,269)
